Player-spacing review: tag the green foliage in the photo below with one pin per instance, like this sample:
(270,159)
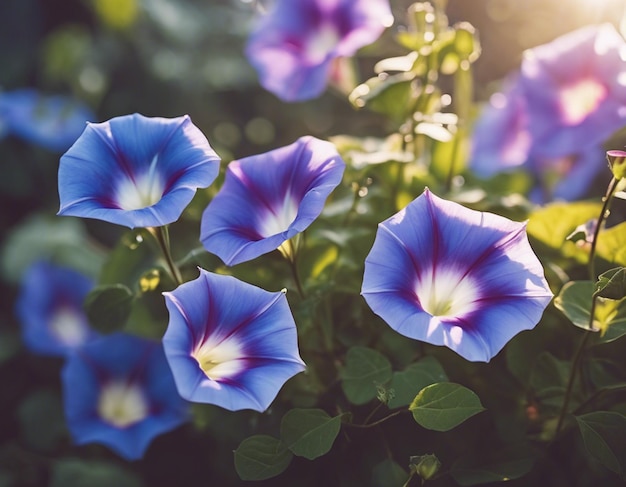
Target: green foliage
(108,307)
(309,433)
(76,472)
(261,457)
(444,405)
(364,370)
(604,435)
(406,384)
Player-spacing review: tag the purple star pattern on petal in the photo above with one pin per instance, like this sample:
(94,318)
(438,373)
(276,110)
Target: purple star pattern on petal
(230,343)
(119,391)
(53,122)
(136,171)
(268,198)
(50,309)
(293,46)
(447,275)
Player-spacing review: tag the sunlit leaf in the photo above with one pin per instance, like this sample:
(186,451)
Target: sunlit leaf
(604,435)
(612,244)
(309,433)
(261,457)
(444,405)
(552,224)
(394,95)
(365,368)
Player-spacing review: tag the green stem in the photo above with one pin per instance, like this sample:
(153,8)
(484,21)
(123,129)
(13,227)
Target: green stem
(162,236)
(380,421)
(587,333)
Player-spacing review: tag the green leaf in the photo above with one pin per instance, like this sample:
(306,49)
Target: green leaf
(108,307)
(388,474)
(444,405)
(612,244)
(552,224)
(548,379)
(393,95)
(611,284)
(364,370)
(604,435)
(261,457)
(505,462)
(83,473)
(574,301)
(129,260)
(309,433)
(407,383)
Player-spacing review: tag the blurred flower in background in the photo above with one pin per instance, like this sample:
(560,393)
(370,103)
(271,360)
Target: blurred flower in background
(230,343)
(52,122)
(136,171)
(294,45)
(553,116)
(447,275)
(268,198)
(50,309)
(119,391)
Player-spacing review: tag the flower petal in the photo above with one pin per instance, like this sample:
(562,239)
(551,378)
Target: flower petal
(444,274)
(230,343)
(135,171)
(268,198)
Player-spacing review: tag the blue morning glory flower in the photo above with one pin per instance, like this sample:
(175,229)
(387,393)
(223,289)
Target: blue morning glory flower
(53,122)
(50,309)
(575,89)
(136,171)
(447,275)
(294,45)
(268,198)
(230,343)
(119,391)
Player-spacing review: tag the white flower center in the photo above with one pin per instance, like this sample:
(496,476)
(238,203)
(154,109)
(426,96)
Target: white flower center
(122,404)
(144,191)
(279,220)
(446,293)
(221,360)
(580,99)
(68,325)
(321,43)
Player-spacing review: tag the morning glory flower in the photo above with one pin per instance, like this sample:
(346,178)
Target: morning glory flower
(136,171)
(50,309)
(268,198)
(119,391)
(230,343)
(447,275)
(575,88)
(294,45)
(53,122)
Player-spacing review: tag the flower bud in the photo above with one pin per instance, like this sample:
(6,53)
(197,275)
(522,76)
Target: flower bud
(426,466)
(617,163)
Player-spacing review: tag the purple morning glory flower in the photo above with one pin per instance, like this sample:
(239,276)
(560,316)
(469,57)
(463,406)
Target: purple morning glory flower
(230,343)
(136,171)
(294,45)
(447,275)
(119,391)
(53,122)
(50,309)
(268,198)
(575,88)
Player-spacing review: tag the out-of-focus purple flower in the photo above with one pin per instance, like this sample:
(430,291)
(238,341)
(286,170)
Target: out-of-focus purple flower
(268,198)
(575,88)
(119,391)
(50,309)
(230,343)
(53,122)
(293,46)
(136,171)
(447,275)
(501,139)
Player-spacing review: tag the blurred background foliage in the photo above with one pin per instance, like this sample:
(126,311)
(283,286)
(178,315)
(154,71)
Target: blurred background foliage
(168,58)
